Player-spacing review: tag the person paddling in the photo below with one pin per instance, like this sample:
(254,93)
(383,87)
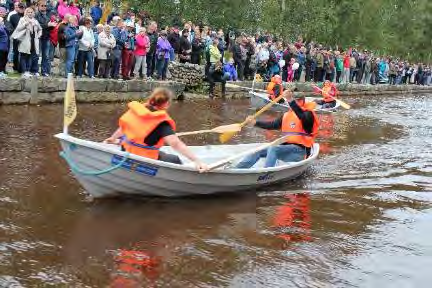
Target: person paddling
(328,92)
(145,128)
(275,88)
(300,124)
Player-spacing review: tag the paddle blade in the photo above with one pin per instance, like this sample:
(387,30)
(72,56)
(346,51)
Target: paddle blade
(227,128)
(343,104)
(225,137)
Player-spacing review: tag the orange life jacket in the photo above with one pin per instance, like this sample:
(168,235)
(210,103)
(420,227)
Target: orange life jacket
(327,94)
(292,124)
(139,122)
(270,90)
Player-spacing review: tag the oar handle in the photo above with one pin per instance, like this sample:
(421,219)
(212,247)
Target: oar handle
(194,132)
(248,152)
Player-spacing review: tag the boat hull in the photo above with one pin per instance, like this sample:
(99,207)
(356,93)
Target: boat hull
(147,177)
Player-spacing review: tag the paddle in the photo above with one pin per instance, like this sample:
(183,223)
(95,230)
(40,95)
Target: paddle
(246,88)
(246,153)
(226,136)
(342,103)
(219,129)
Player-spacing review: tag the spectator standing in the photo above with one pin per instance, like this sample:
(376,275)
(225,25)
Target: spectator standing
(44,19)
(13,21)
(151,54)
(4,44)
(320,69)
(28,33)
(85,49)
(98,29)
(120,37)
(106,44)
(216,73)
(197,49)
(71,34)
(96,12)
(174,39)
(142,45)
(346,64)
(339,66)
(68,8)
(163,49)
(128,50)
(185,47)
(61,27)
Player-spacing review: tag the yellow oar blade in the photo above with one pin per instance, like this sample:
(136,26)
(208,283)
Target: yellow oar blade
(227,128)
(225,137)
(343,104)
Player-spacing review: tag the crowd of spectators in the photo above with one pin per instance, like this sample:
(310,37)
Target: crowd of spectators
(131,45)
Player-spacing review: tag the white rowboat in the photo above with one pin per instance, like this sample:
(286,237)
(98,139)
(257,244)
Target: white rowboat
(105,171)
(259,100)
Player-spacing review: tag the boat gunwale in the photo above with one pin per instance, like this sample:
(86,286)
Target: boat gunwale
(96,146)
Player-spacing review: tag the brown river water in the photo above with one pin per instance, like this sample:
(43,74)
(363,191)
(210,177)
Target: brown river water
(360,217)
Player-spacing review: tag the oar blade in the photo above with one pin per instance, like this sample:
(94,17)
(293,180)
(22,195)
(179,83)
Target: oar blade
(225,137)
(343,104)
(227,128)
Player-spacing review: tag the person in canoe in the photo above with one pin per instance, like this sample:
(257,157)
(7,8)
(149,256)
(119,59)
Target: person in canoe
(328,92)
(300,124)
(146,127)
(275,88)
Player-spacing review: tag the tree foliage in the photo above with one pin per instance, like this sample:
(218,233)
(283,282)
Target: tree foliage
(396,27)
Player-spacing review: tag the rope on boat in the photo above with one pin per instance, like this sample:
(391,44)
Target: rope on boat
(78,170)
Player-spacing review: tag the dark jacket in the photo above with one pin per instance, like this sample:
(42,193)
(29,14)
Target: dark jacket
(44,19)
(174,40)
(61,34)
(153,37)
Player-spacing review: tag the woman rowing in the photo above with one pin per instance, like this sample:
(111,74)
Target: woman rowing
(300,124)
(328,92)
(145,128)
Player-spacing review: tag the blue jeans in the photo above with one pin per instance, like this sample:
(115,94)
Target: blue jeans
(116,63)
(286,153)
(162,65)
(29,62)
(70,58)
(45,47)
(85,56)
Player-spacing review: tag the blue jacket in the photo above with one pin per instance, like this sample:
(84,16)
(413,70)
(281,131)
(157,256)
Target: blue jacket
(231,70)
(71,36)
(120,37)
(96,14)
(3,39)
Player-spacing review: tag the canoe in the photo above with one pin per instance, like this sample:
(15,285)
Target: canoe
(259,100)
(105,171)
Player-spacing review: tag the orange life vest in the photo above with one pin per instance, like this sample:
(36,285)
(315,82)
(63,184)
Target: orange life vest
(270,90)
(292,124)
(136,124)
(329,92)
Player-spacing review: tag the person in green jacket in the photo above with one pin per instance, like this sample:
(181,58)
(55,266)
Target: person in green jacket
(339,65)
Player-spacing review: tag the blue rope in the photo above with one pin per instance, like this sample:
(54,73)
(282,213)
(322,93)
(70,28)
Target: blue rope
(78,170)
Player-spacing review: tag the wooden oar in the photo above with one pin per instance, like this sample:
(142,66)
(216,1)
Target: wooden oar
(225,137)
(219,129)
(246,153)
(342,103)
(246,88)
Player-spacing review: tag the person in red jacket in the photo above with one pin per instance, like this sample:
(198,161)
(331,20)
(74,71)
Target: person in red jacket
(346,65)
(142,45)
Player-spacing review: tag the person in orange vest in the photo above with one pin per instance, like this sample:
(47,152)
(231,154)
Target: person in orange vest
(301,126)
(275,88)
(146,127)
(328,92)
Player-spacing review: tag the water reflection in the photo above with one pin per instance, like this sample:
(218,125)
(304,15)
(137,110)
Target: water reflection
(292,219)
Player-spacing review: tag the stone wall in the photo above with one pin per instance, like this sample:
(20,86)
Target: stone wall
(51,90)
(189,74)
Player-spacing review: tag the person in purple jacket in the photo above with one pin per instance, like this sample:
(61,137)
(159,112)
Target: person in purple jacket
(4,45)
(230,72)
(163,49)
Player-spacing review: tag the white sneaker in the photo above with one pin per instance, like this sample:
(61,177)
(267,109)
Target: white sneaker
(2,75)
(36,74)
(26,75)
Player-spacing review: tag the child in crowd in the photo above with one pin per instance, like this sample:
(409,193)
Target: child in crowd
(230,72)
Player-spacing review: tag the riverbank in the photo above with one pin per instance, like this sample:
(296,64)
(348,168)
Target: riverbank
(51,90)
